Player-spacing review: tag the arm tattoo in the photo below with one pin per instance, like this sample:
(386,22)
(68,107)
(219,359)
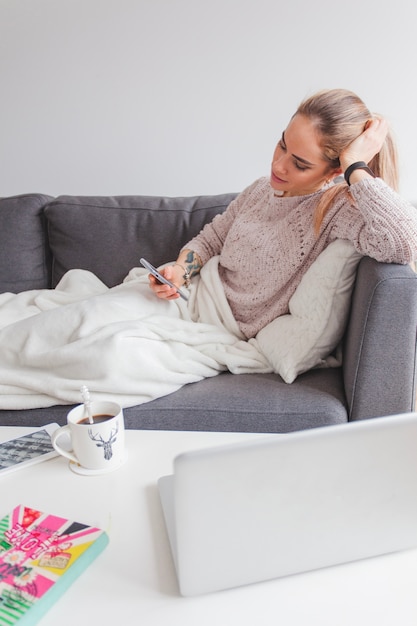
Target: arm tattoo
(193,263)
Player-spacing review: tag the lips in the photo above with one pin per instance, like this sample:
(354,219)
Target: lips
(276,179)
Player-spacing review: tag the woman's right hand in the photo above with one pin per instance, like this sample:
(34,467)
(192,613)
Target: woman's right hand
(165,292)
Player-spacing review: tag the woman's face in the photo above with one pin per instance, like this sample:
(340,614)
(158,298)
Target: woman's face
(298,167)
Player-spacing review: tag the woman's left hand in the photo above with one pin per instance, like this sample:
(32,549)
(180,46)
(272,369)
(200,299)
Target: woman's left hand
(367,145)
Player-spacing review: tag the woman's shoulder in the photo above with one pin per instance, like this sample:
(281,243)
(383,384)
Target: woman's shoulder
(259,186)
(258,190)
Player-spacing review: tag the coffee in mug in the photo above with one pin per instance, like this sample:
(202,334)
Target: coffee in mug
(96,419)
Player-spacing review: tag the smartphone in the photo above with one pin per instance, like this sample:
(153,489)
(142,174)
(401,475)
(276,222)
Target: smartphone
(28,449)
(161,278)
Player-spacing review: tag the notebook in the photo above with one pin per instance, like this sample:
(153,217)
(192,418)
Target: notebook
(284,504)
(41,555)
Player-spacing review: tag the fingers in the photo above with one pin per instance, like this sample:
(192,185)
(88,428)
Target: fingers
(378,127)
(367,144)
(162,290)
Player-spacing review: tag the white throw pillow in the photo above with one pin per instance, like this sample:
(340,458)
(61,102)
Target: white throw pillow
(304,338)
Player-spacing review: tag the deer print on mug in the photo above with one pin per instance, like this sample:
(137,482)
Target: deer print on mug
(106,445)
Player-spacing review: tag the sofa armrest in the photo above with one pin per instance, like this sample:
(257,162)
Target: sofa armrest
(25,260)
(379,363)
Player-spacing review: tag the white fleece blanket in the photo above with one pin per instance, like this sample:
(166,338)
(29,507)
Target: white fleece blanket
(123,343)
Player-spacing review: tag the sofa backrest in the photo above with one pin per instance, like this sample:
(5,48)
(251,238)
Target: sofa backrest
(42,237)
(108,235)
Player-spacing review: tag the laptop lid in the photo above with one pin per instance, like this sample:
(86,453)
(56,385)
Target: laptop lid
(247,512)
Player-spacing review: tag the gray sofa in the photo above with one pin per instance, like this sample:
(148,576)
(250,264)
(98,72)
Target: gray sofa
(42,237)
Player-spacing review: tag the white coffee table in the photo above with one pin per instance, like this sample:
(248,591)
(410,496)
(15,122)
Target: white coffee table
(133,580)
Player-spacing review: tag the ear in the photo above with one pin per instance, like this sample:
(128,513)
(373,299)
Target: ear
(336,172)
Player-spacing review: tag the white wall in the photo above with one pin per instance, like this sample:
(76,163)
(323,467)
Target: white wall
(183,97)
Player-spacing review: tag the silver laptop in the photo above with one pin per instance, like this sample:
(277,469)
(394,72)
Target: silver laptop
(253,511)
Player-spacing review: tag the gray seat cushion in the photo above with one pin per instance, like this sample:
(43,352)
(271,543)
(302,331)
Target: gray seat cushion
(248,403)
(228,402)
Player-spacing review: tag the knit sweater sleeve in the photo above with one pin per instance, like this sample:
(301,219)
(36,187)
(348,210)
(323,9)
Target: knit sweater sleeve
(209,242)
(380,223)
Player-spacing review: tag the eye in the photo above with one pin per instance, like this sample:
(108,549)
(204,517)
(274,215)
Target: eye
(302,168)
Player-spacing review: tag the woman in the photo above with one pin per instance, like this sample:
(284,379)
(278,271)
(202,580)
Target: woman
(274,230)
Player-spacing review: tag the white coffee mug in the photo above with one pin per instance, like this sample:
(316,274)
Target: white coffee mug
(96,448)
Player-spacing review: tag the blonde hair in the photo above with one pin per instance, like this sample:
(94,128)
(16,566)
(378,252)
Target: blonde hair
(340,116)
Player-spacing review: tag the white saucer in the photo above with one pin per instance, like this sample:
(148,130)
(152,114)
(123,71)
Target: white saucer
(78,469)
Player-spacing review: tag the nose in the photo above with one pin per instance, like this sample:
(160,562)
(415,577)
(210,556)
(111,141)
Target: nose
(279,163)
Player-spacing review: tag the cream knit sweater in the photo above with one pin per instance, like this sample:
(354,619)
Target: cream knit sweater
(266,242)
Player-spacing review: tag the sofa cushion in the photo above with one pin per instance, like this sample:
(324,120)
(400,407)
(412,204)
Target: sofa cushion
(24,257)
(227,402)
(108,235)
(319,309)
(247,403)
